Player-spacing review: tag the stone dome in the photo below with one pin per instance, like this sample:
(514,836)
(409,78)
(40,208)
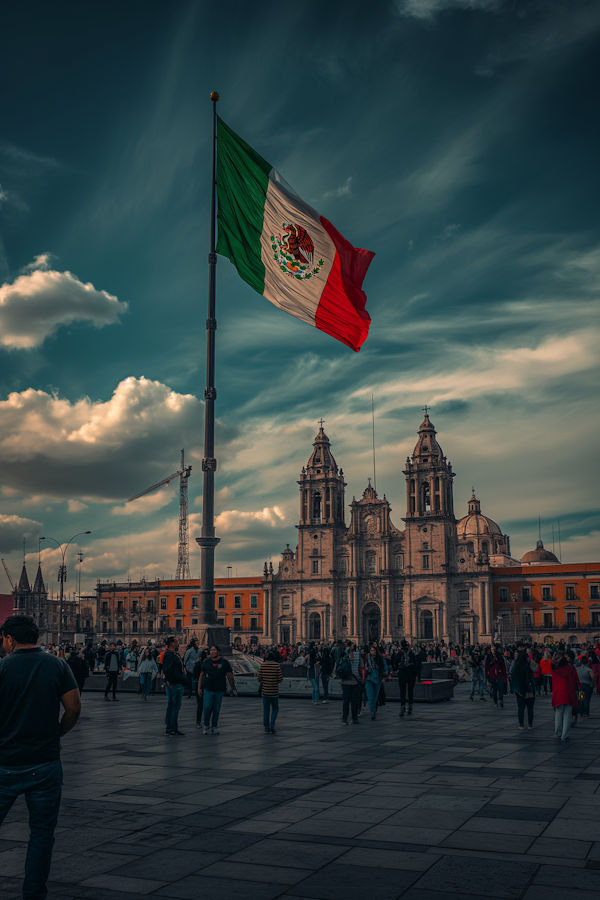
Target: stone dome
(475,524)
(539,557)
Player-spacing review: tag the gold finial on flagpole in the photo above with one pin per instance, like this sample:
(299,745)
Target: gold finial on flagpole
(214,96)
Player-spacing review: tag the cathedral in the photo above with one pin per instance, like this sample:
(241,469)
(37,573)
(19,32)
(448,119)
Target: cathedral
(368,579)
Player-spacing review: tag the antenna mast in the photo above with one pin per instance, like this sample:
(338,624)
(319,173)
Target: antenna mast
(183,549)
(373,428)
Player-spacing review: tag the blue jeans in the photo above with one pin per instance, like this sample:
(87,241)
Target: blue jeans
(174,695)
(315,687)
(372,695)
(145,683)
(478,681)
(273,703)
(325,683)
(588,690)
(212,706)
(42,787)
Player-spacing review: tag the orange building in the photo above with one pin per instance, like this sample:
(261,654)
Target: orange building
(147,609)
(547,602)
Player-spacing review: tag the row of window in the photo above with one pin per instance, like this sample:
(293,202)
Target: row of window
(548,593)
(571,619)
(136,606)
(371,562)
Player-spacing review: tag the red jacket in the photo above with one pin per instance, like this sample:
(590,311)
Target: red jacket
(565,685)
(495,668)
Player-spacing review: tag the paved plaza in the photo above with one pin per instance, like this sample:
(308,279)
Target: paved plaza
(451,802)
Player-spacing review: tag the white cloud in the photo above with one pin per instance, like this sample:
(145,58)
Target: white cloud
(150,502)
(38,302)
(13,529)
(103,450)
(233,520)
(345,190)
(76,506)
(428,9)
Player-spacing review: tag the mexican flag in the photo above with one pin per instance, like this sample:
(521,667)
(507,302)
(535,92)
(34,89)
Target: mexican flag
(284,249)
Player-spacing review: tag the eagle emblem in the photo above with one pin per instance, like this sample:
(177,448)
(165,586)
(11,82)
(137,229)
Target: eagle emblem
(294,251)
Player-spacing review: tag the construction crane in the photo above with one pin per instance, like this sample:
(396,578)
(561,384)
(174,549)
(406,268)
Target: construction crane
(183,549)
(12,584)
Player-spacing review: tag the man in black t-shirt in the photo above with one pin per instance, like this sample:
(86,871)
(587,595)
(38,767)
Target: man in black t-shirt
(33,685)
(212,686)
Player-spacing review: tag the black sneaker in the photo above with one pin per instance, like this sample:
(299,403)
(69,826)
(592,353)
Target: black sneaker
(410,710)
(178,734)
(271,730)
(169,733)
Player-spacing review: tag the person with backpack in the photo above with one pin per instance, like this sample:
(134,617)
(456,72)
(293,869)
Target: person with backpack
(477,673)
(347,672)
(406,664)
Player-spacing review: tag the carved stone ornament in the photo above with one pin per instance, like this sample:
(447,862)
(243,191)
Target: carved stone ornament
(370,591)
(371,522)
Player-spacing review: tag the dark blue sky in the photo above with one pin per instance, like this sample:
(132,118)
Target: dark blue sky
(458,139)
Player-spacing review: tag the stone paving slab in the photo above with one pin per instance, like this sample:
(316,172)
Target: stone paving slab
(452,802)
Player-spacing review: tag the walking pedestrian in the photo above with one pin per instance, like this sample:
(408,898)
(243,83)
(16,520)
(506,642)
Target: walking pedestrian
(112,667)
(523,684)
(377,669)
(148,672)
(495,672)
(587,680)
(213,672)
(270,676)
(546,667)
(326,662)
(406,664)
(475,661)
(313,673)
(191,657)
(347,670)
(79,667)
(33,685)
(175,681)
(565,689)
(199,694)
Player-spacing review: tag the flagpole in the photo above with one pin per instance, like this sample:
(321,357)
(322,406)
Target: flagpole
(208,541)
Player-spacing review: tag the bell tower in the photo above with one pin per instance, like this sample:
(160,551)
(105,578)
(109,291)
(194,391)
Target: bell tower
(431,544)
(322,486)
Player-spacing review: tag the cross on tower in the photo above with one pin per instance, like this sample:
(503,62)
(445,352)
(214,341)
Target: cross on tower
(426,409)
(321,423)
(473,491)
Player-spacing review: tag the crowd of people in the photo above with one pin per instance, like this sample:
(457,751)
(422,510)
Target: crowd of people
(35,681)
(569,675)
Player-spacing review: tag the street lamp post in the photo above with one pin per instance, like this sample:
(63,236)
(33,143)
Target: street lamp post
(61,576)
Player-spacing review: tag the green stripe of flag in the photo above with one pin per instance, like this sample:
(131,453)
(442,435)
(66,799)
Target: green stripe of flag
(242,182)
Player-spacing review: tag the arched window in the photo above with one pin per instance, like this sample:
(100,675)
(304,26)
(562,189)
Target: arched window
(426,624)
(485,548)
(314,627)
(344,565)
(371,563)
(400,620)
(344,621)
(426,497)
(470,547)
(399,561)
(327,503)
(317,506)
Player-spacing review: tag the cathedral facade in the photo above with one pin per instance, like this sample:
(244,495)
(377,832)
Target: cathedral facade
(369,579)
